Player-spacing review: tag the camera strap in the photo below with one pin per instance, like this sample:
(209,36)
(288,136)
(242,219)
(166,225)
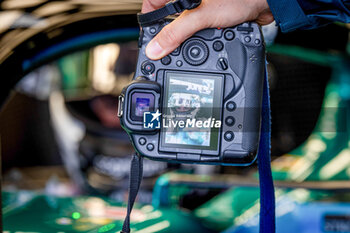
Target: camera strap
(267,191)
(171,8)
(135,177)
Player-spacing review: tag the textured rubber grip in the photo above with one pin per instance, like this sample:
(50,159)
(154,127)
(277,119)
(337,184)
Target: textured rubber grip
(253,84)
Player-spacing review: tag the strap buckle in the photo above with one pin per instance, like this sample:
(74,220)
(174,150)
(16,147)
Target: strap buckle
(179,6)
(172,7)
(190,4)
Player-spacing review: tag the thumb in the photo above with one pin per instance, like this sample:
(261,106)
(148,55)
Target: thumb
(173,34)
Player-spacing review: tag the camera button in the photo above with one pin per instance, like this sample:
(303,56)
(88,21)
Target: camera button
(257,41)
(179,63)
(229,136)
(152,30)
(245,29)
(247,39)
(142,141)
(230,121)
(147,67)
(231,106)
(218,46)
(150,147)
(165,60)
(176,52)
(195,52)
(222,63)
(229,35)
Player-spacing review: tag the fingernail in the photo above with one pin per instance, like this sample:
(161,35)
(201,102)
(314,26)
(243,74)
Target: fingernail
(154,50)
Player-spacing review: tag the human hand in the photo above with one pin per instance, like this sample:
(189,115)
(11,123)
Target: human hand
(210,14)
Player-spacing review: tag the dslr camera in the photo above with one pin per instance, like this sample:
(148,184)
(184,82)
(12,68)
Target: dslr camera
(201,103)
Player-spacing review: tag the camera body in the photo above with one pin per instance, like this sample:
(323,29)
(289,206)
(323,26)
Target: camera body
(200,104)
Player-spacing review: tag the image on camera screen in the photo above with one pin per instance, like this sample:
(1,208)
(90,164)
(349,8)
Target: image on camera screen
(142,105)
(141,101)
(190,104)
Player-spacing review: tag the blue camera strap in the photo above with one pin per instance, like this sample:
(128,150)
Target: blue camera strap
(267,191)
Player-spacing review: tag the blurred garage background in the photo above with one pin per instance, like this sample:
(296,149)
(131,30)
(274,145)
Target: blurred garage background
(65,159)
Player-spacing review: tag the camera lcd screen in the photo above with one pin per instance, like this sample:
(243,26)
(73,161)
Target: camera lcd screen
(192,110)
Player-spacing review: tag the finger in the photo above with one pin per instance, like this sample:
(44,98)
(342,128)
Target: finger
(151,5)
(172,35)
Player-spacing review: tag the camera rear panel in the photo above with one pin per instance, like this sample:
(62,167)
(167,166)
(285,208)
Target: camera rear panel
(216,74)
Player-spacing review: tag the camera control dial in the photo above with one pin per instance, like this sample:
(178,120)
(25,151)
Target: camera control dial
(195,52)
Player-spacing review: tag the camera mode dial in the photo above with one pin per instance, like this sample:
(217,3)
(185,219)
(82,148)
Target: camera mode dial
(195,52)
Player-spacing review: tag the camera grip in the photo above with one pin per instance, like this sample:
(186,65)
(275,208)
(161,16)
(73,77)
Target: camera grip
(250,69)
(253,85)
